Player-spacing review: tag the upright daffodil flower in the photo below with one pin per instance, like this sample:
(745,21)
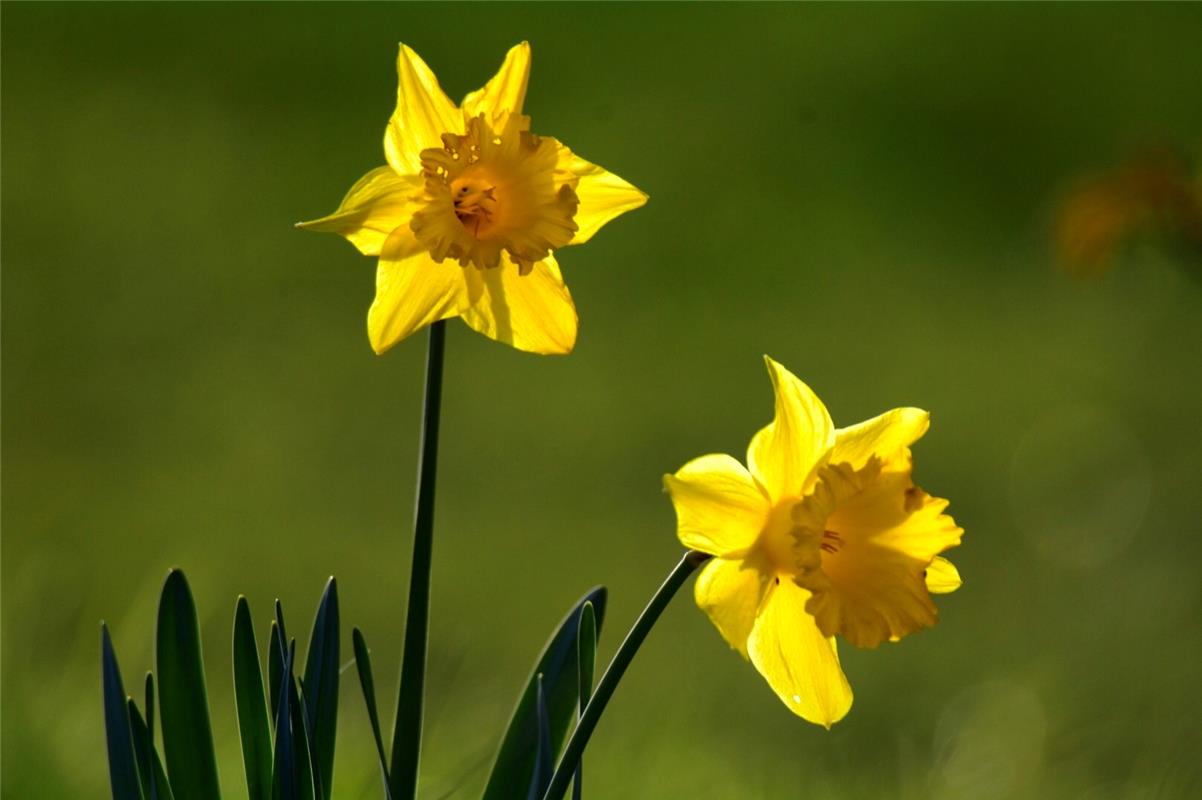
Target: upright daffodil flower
(823,534)
(469,211)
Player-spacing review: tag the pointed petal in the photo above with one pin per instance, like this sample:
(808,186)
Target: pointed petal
(412,291)
(379,203)
(884,436)
(423,114)
(799,663)
(784,455)
(942,577)
(730,592)
(602,194)
(505,93)
(532,312)
(719,508)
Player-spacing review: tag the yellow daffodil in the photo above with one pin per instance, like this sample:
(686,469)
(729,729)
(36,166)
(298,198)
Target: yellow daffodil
(822,534)
(467,214)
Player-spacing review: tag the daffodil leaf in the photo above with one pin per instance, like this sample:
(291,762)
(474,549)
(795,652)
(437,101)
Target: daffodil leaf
(279,619)
(321,688)
(544,760)
(283,778)
(558,666)
(150,704)
(183,701)
(275,668)
(586,650)
(154,780)
(253,725)
(368,684)
(300,736)
(123,770)
(141,740)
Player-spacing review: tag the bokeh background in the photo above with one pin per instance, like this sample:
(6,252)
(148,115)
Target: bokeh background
(865,192)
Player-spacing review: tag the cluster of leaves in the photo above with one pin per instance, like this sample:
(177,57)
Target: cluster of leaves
(288,723)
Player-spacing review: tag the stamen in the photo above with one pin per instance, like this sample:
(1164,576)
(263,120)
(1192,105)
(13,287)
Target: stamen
(831,541)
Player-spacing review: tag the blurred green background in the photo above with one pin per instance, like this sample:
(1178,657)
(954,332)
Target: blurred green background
(864,192)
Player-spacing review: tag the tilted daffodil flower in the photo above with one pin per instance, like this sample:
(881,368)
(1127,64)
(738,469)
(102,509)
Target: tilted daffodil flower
(823,534)
(469,211)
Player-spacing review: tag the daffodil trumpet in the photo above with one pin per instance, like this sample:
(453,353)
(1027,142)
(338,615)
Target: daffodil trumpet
(574,749)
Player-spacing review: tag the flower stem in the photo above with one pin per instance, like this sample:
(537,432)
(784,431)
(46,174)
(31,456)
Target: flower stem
(616,669)
(407,732)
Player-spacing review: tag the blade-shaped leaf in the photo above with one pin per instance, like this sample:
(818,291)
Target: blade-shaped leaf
(283,778)
(586,650)
(300,736)
(544,761)
(514,766)
(141,739)
(154,779)
(183,701)
(275,668)
(253,725)
(321,688)
(123,770)
(150,705)
(368,684)
(279,619)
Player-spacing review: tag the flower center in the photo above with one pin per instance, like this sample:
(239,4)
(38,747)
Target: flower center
(490,193)
(475,203)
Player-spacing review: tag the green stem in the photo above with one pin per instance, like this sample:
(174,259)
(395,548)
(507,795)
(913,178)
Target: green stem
(407,732)
(616,669)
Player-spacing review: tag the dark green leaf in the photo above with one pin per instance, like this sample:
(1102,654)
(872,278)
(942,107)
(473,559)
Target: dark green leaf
(275,668)
(300,736)
(253,722)
(141,739)
(514,766)
(368,684)
(183,701)
(544,761)
(150,704)
(586,649)
(321,688)
(283,779)
(279,619)
(123,770)
(150,766)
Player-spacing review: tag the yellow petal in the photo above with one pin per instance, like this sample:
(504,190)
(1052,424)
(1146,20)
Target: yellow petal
(423,114)
(411,293)
(719,508)
(379,203)
(784,455)
(884,436)
(799,663)
(602,194)
(532,312)
(505,93)
(942,577)
(730,592)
